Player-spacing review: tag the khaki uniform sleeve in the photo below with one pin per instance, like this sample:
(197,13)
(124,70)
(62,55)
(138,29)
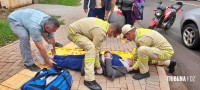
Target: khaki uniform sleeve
(134,57)
(98,37)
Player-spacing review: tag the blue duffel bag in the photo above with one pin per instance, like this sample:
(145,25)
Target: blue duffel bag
(49,79)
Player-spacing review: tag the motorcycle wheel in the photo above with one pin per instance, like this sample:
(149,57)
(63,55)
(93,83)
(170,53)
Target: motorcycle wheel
(152,27)
(169,23)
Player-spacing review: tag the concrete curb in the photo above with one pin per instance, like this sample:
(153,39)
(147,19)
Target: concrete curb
(164,84)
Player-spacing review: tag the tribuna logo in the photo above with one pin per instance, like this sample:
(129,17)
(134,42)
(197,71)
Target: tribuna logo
(181,78)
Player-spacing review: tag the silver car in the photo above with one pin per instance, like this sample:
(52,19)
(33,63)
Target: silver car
(190,29)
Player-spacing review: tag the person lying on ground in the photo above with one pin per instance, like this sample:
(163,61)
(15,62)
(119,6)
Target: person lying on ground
(112,65)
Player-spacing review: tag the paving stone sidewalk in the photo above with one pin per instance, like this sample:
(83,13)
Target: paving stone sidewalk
(11,61)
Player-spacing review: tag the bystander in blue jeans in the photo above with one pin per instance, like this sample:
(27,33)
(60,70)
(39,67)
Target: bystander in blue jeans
(127,15)
(97,12)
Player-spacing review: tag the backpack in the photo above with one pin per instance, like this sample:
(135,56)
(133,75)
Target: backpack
(49,79)
(138,9)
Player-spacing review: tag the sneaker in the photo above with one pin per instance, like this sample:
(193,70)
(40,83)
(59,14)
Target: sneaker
(58,44)
(33,67)
(139,76)
(172,66)
(93,85)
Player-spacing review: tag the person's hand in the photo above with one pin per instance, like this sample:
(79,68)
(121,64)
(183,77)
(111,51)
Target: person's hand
(132,9)
(51,56)
(133,6)
(86,11)
(106,14)
(128,58)
(99,70)
(106,17)
(129,69)
(51,62)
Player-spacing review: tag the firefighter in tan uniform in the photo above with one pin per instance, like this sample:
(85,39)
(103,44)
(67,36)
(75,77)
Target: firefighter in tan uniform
(151,45)
(88,34)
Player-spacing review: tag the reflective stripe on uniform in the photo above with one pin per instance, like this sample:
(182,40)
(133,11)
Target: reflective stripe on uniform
(75,38)
(136,65)
(141,31)
(97,63)
(134,52)
(161,56)
(71,30)
(104,24)
(133,58)
(106,28)
(145,59)
(153,61)
(89,59)
(169,53)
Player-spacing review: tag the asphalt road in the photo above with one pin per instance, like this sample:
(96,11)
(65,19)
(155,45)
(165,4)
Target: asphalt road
(188,61)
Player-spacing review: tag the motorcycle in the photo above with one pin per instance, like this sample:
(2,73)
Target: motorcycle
(165,16)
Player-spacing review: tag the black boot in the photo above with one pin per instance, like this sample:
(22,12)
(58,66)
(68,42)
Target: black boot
(139,76)
(93,85)
(172,66)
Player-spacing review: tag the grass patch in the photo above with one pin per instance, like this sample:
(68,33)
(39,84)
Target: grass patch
(61,22)
(6,34)
(61,2)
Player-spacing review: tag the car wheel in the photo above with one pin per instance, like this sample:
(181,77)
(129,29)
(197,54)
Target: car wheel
(190,36)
